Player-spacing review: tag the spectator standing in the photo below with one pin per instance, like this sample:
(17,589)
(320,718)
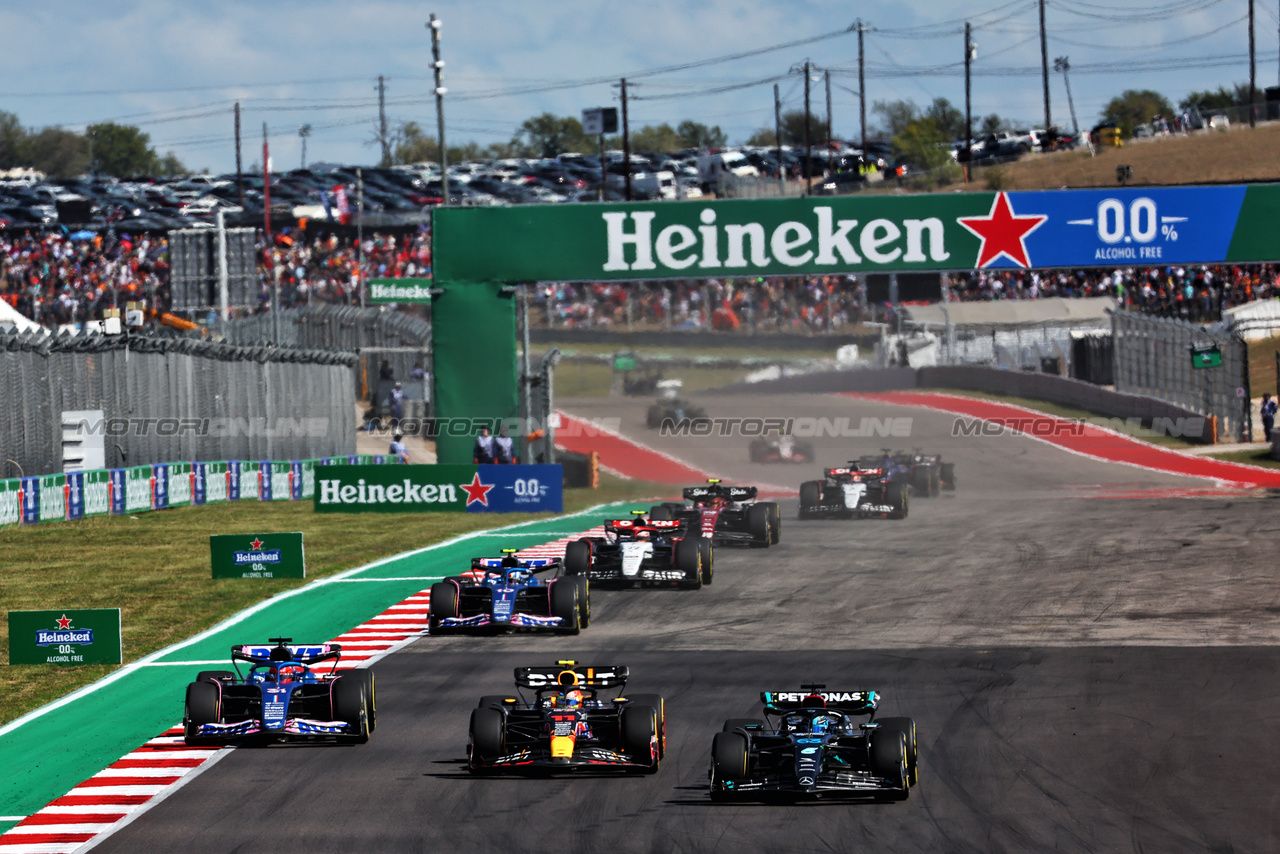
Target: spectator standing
(397,405)
(484,449)
(1268,416)
(504,448)
(398,448)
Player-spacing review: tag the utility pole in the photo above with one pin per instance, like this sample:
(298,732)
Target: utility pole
(808,149)
(626,142)
(239,174)
(361,283)
(438,64)
(304,131)
(862,89)
(1063,64)
(828,76)
(1253,71)
(266,183)
(382,121)
(1044,67)
(777,136)
(968,114)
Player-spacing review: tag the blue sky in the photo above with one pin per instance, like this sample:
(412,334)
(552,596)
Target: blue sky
(175,68)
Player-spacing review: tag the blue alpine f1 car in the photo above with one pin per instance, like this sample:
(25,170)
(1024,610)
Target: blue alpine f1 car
(280,698)
(810,747)
(507,593)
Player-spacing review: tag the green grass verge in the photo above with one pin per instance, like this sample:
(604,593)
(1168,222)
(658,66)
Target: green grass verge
(757,347)
(155,567)
(1250,458)
(575,379)
(1071,412)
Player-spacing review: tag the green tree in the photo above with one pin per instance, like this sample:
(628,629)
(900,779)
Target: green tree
(170,166)
(1134,107)
(660,138)
(410,145)
(13,142)
(764,137)
(548,135)
(697,135)
(896,115)
(1220,99)
(949,120)
(121,150)
(59,153)
(991,124)
(793,128)
(923,144)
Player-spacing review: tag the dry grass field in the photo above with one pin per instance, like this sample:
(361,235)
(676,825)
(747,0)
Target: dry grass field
(1238,155)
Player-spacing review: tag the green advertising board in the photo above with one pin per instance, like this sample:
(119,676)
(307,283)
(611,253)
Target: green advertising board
(257,555)
(68,637)
(1206,357)
(10,501)
(179,484)
(215,482)
(399,290)
(309,478)
(393,489)
(279,474)
(137,489)
(53,498)
(97,493)
(250,481)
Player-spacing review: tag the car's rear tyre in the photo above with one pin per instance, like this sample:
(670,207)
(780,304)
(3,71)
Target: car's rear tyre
(775,522)
(577,558)
(660,513)
(215,676)
(488,736)
(907,727)
(640,735)
(758,449)
(370,694)
(658,704)
(204,706)
(758,526)
(707,557)
(734,723)
(810,497)
(351,706)
(889,760)
(444,603)
(729,757)
(898,496)
(688,558)
(935,482)
(654,417)
(565,605)
(584,600)
(948,475)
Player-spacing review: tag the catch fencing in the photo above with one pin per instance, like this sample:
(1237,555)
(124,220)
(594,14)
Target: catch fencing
(171,399)
(1042,347)
(402,340)
(1153,358)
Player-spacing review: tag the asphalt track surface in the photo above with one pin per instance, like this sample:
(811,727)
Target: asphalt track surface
(1087,672)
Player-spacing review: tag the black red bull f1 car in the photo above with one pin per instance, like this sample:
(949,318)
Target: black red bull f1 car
(282,697)
(568,724)
(855,490)
(809,746)
(726,515)
(642,552)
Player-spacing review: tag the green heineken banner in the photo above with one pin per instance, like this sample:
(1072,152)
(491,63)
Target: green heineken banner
(279,474)
(53,497)
(953,231)
(97,492)
(10,501)
(250,483)
(399,290)
(65,637)
(1206,357)
(179,486)
(257,555)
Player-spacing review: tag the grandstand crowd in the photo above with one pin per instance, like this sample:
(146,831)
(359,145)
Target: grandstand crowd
(56,278)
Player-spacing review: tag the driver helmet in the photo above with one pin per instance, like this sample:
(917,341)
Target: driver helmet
(642,535)
(573,699)
(289,673)
(718,501)
(821,724)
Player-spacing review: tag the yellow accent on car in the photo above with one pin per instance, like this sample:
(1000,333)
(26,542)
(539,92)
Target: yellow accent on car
(561,747)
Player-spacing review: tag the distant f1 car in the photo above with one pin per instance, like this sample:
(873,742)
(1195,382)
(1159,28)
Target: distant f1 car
(726,515)
(855,490)
(671,406)
(568,726)
(641,551)
(927,473)
(810,747)
(780,449)
(280,698)
(506,592)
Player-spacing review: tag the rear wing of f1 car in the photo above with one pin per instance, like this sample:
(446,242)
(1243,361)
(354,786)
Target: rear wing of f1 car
(854,472)
(570,674)
(537,564)
(719,490)
(283,650)
(818,697)
(628,526)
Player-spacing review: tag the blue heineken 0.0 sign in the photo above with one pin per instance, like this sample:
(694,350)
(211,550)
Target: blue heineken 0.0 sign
(65,637)
(257,555)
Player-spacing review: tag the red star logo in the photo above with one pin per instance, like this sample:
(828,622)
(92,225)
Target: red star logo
(64,622)
(256,545)
(477,491)
(1002,233)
